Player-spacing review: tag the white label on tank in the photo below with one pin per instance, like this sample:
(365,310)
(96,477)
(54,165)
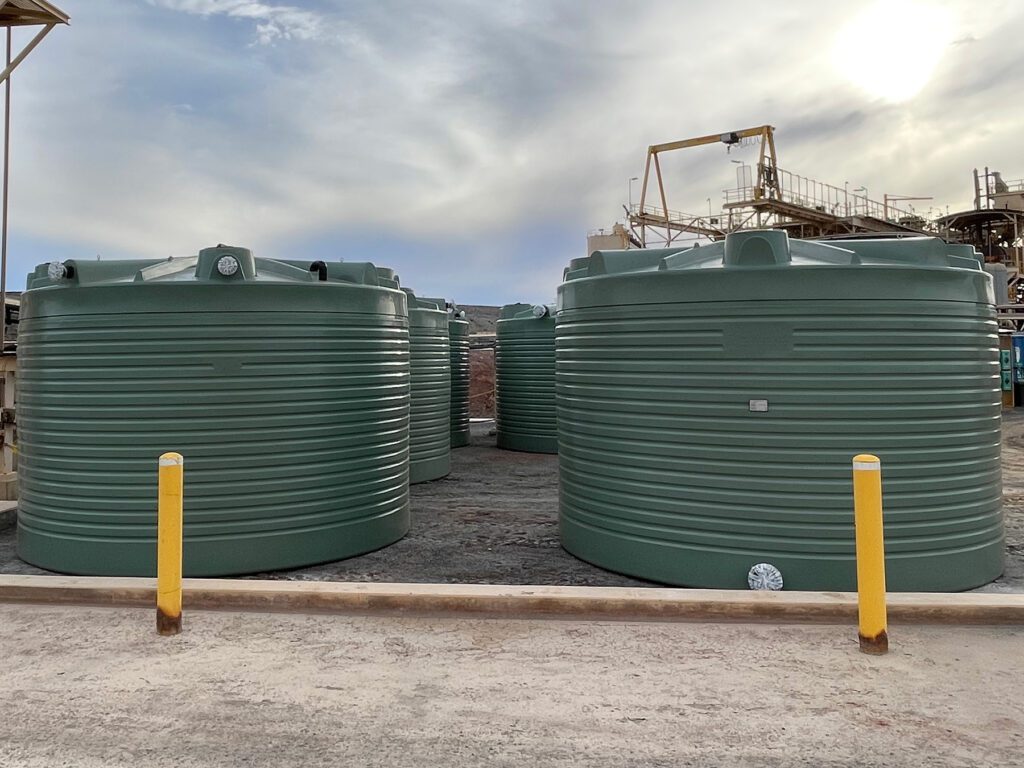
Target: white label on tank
(759,406)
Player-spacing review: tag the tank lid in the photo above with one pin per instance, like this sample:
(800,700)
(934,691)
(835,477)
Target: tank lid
(761,249)
(445,304)
(526,311)
(456,314)
(355,272)
(920,250)
(223,264)
(617,262)
(341,271)
(388,277)
(418,302)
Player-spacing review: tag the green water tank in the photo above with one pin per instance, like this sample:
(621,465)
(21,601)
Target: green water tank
(458,337)
(430,371)
(287,395)
(524,378)
(710,403)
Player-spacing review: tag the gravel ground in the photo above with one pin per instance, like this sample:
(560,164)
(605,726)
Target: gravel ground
(494,521)
(96,688)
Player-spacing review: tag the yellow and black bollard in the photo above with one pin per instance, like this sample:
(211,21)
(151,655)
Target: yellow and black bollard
(169,543)
(867,508)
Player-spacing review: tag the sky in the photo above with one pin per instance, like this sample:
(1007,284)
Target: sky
(472,145)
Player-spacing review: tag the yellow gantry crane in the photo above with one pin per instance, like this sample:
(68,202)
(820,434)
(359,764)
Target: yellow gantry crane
(676,223)
(774,197)
(765,167)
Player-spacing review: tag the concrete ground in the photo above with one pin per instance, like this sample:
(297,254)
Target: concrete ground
(494,520)
(92,687)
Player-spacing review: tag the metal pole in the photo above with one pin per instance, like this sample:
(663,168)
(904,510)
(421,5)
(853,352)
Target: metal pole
(170,492)
(3,225)
(867,508)
(1016,249)
(12,64)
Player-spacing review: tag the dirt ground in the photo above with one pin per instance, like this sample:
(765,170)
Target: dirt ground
(495,520)
(95,687)
(481,383)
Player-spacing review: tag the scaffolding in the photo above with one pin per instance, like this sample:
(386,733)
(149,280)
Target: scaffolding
(995,226)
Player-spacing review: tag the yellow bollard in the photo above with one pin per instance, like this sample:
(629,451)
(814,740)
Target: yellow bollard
(168,543)
(867,508)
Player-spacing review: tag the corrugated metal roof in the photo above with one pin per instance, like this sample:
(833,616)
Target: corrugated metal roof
(21,13)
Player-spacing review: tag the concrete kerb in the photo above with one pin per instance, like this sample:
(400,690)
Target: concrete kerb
(507,601)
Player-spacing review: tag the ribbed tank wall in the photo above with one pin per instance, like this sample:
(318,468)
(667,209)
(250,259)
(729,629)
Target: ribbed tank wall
(458,331)
(698,438)
(524,378)
(293,425)
(430,419)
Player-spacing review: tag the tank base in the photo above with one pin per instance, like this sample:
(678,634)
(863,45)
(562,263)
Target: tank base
(460,439)
(213,555)
(527,443)
(429,469)
(683,566)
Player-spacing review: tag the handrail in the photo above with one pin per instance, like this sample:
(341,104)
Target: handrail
(678,217)
(793,189)
(825,198)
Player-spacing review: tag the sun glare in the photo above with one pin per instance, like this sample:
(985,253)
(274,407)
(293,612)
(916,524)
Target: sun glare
(891,48)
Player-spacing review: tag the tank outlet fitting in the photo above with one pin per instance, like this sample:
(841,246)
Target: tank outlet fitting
(764,576)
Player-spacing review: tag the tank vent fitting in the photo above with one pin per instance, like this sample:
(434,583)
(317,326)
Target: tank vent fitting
(56,271)
(319,268)
(227,265)
(764,576)
(539,310)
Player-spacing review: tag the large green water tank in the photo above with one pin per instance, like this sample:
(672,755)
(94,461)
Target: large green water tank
(458,335)
(710,403)
(524,378)
(287,395)
(430,369)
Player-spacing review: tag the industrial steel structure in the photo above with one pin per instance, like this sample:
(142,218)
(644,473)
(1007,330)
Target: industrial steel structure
(995,227)
(765,196)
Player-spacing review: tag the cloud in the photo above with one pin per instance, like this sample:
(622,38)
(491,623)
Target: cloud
(273,22)
(474,143)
